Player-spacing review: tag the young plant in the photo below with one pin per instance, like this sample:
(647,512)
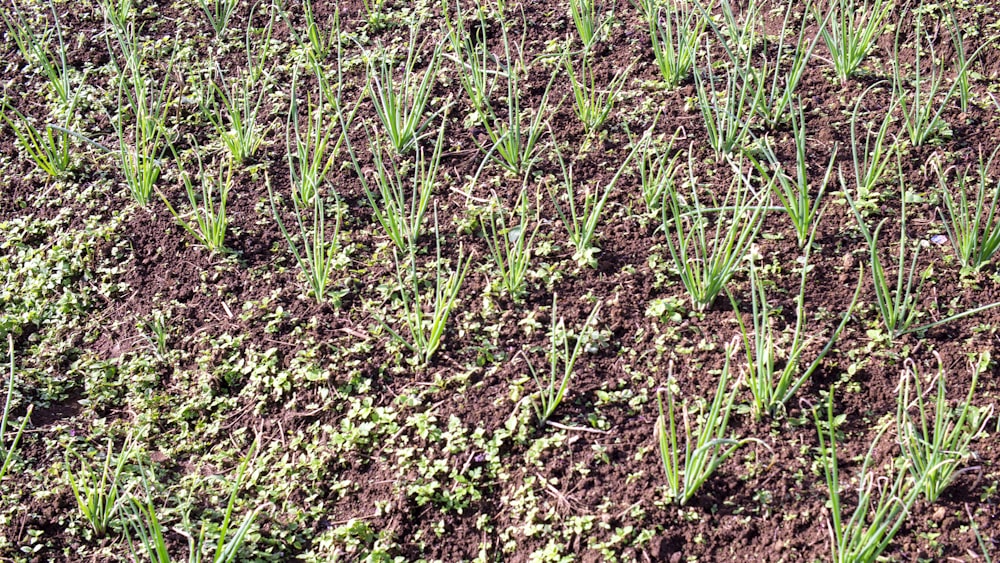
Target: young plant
(689,459)
(375,14)
(425,319)
(477,68)
(237,119)
(793,192)
(141,146)
(935,441)
(776,81)
(883,503)
(897,306)
(511,243)
(740,35)
(218,13)
(512,137)
(48,146)
(314,145)
(772,386)
(707,258)
(582,222)
(145,526)
(7,452)
(852,28)
(97,495)
(399,210)
(116,12)
(922,108)
(657,168)
(593,104)
(562,361)
(31,45)
(675,30)
(727,114)
(588,18)
(319,40)
(209,221)
(973,225)
(317,257)
(871,160)
(962,61)
(400,103)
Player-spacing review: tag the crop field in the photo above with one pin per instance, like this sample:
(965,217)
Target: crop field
(489,280)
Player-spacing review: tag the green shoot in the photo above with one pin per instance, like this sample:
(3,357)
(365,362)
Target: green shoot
(97,494)
(973,225)
(772,386)
(675,30)
(689,459)
(400,213)
(477,67)
(511,243)
(739,37)
(936,442)
(883,503)
(141,146)
(32,47)
(871,160)
(313,155)
(922,108)
(218,13)
(514,140)
(582,222)
(7,452)
(425,319)
(657,167)
(400,103)
(852,28)
(705,257)
(319,40)
(317,257)
(793,192)
(588,18)
(237,120)
(728,113)
(48,147)
(961,60)
(562,362)
(593,104)
(208,204)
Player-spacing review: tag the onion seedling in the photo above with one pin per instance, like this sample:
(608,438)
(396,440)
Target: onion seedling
(690,458)
(7,452)
(97,495)
(562,361)
(426,319)
(936,441)
(853,26)
(972,224)
(675,29)
(400,102)
(707,258)
(510,244)
(883,502)
(582,223)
